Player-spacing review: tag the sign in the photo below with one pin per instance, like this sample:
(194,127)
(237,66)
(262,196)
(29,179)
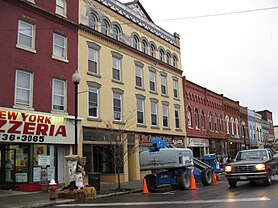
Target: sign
(21,177)
(197,142)
(32,127)
(43,160)
(37,174)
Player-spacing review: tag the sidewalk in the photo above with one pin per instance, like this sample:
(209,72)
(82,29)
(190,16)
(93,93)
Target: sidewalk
(10,198)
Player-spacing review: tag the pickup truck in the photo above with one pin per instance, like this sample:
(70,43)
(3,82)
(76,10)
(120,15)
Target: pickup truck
(252,165)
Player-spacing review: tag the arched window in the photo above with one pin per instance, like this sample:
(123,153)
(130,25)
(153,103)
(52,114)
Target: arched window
(144,46)
(93,21)
(237,127)
(116,32)
(227,124)
(220,123)
(161,55)
(203,119)
(196,118)
(232,124)
(104,27)
(210,121)
(135,42)
(168,58)
(189,117)
(215,122)
(152,50)
(175,61)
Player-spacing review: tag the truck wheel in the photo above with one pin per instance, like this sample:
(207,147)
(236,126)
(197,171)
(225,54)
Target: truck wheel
(184,181)
(206,177)
(268,180)
(151,182)
(232,183)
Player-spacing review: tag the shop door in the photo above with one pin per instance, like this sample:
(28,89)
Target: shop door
(8,169)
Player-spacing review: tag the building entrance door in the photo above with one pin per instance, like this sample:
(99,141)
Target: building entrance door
(8,169)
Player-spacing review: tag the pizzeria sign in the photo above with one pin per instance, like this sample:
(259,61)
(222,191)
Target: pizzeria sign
(30,127)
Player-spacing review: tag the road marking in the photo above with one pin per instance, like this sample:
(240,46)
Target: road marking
(165,202)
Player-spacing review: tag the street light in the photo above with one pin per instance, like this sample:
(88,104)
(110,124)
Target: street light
(243,128)
(76,77)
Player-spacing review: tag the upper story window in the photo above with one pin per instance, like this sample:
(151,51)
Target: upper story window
(23,88)
(189,117)
(203,119)
(168,58)
(177,117)
(232,125)
(152,81)
(135,42)
(59,46)
(26,34)
(175,88)
(165,111)
(93,60)
(144,46)
(93,21)
(152,50)
(58,95)
(154,113)
(215,122)
(116,32)
(210,121)
(116,66)
(227,124)
(161,55)
(104,27)
(175,61)
(93,102)
(220,123)
(163,84)
(117,106)
(196,118)
(139,75)
(236,127)
(61,6)
(140,111)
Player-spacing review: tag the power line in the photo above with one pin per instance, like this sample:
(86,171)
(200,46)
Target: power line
(220,14)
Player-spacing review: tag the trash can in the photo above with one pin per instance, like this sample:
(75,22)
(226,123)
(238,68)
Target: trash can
(94,180)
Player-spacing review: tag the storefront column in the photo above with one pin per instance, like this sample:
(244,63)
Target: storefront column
(133,161)
(125,161)
(30,163)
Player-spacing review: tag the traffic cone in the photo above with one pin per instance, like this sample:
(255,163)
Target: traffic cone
(214,180)
(145,187)
(192,182)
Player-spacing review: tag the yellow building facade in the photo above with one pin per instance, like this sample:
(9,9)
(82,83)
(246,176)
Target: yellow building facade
(131,87)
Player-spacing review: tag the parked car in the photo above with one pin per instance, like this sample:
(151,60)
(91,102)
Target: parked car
(252,165)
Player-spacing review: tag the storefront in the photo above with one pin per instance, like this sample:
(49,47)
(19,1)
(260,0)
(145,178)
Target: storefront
(198,146)
(33,146)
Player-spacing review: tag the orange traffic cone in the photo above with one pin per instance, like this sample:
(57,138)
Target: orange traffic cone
(192,182)
(145,187)
(214,180)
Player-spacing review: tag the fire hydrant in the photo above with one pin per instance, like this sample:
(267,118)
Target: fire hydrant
(52,188)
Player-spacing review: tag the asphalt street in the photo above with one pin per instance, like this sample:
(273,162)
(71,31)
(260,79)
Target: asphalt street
(219,196)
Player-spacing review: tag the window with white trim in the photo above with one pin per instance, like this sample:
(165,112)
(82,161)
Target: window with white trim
(116,69)
(61,6)
(117,106)
(189,117)
(152,50)
(23,88)
(26,34)
(59,46)
(93,60)
(93,102)
(139,76)
(104,27)
(203,119)
(210,121)
(227,124)
(140,111)
(196,118)
(58,94)
(154,113)
(144,46)
(215,122)
(177,117)
(152,81)
(175,88)
(116,32)
(163,84)
(165,111)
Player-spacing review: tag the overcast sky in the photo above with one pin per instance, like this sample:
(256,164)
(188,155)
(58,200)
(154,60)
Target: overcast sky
(234,54)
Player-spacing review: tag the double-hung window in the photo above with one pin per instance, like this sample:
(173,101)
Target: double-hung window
(154,113)
(58,94)
(163,85)
(139,75)
(116,67)
(61,7)
(175,88)
(59,46)
(116,32)
(140,111)
(177,117)
(93,102)
(165,111)
(152,81)
(26,35)
(93,60)
(117,106)
(23,88)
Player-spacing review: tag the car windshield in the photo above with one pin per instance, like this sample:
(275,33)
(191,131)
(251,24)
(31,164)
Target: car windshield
(252,155)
